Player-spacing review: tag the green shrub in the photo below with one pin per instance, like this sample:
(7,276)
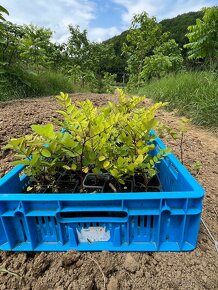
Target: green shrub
(114,139)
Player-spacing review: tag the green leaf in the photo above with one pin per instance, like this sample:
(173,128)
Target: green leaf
(96,171)
(35,158)
(68,140)
(139,159)
(140,143)
(74,167)
(2,18)
(143,150)
(114,172)
(120,161)
(2,9)
(63,113)
(70,153)
(3,63)
(120,180)
(85,169)
(68,102)
(21,162)
(2,40)
(46,153)
(46,131)
(148,165)
(106,164)
(101,158)
(20,156)
(155,159)
(8,146)
(66,167)
(131,168)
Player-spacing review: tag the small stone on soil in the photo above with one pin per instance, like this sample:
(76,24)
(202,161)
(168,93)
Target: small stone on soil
(70,258)
(130,264)
(113,284)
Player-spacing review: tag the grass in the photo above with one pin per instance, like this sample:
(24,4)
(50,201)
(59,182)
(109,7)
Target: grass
(20,84)
(194,94)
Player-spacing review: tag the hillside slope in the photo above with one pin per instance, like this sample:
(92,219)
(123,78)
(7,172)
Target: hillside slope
(178,25)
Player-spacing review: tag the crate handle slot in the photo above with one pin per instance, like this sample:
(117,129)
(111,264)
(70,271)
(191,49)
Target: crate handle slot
(173,169)
(92,216)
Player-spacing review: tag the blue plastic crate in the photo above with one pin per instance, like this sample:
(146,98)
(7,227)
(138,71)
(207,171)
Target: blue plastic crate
(148,221)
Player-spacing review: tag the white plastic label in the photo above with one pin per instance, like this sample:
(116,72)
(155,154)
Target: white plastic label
(93,234)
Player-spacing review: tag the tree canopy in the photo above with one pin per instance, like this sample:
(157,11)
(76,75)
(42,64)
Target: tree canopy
(150,51)
(203,37)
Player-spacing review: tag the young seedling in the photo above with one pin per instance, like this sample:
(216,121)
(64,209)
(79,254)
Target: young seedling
(183,128)
(196,166)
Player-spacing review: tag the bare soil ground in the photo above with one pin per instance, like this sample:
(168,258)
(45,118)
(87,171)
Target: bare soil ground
(86,271)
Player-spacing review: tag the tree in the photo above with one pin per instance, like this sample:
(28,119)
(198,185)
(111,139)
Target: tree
(2,19)
(10,52)
(119,63)
(203,37)
(2,39)
(150,51)
(88,61)
(57,56)
(101,56)
(78,46)
(34,46)
(166,58)
(144,35)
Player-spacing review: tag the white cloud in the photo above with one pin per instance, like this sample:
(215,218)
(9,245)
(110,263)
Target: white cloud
(100,34)
(137,6)
(56,15)
(159,8)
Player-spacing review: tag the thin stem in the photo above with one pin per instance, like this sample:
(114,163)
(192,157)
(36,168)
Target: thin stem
(181,147)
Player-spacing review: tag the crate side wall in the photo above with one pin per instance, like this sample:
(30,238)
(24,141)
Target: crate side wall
(163,221)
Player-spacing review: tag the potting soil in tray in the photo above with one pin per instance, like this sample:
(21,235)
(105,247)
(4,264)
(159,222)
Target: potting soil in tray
(71,183)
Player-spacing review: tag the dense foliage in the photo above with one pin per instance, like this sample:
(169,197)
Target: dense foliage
(151,53)
(114,139)
(203,37)
(119,64)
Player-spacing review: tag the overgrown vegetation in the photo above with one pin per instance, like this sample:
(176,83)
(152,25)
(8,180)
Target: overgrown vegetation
(22,84)
(194,94)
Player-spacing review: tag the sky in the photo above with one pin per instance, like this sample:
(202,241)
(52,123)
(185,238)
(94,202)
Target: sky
(102,19)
